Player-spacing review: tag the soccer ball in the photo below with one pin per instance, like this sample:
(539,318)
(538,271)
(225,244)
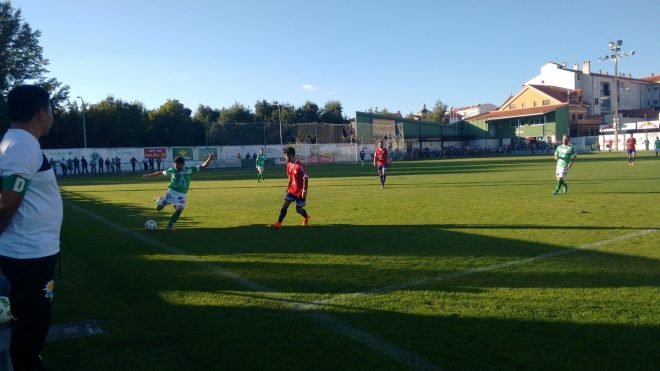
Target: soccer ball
(150,225)
(5,310)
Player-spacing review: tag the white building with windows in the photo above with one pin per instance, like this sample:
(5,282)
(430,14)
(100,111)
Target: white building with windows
(477,109)
(596,88)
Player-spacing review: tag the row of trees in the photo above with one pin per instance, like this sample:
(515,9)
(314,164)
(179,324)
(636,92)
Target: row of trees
(437,114)
(115,123)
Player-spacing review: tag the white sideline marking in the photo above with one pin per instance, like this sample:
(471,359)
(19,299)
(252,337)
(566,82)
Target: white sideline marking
(388,349)
(467,272)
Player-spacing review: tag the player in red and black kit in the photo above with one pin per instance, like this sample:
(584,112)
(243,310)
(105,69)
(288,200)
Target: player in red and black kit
(382,160)
(297,190)
(630,144)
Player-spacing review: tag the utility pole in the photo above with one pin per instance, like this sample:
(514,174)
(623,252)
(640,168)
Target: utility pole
(615,47)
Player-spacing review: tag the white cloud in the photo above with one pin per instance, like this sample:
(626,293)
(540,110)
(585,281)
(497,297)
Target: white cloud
(309,87)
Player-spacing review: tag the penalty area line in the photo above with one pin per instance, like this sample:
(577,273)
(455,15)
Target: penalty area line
(470,271)
(387,349)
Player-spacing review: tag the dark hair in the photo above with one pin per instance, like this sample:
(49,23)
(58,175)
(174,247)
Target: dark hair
(179,160)
(25,101)
(290,151)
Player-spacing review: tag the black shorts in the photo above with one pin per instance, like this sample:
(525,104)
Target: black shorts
(298,200)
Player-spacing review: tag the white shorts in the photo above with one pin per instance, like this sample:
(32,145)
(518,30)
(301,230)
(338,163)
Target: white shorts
(561,172)
(175,198)
(260,169)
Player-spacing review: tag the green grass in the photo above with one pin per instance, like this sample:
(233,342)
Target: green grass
(170,302)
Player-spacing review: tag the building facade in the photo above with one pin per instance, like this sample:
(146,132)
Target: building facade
(477,109)
(596,88)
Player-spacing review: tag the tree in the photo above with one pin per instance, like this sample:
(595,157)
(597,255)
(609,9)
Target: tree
(438,113)
(20,54)
(206,117)
(264,111)
(21,59)
(308,112)
(377,111)
(171,125)
(332,113)
(236,113)
(59,94)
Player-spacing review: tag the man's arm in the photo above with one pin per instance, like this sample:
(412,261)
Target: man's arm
(208,160)
(305,185)
(158,173)
(8,206)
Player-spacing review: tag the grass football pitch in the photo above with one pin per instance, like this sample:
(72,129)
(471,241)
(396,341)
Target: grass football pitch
(457,264)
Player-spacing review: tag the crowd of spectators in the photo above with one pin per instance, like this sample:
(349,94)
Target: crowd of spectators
(519,147)
(100,165)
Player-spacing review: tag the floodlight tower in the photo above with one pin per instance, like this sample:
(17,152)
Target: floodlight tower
(615,47)
(84,123)
(279,115)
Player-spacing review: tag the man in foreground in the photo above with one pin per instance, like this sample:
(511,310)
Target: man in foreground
(30,223)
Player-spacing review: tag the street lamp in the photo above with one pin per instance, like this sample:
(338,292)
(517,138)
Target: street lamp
(615,47)
(84,123)
(279,115)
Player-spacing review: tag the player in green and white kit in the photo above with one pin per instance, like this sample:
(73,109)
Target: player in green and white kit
(657,146)
(179,184)
(565,156)
(261,163)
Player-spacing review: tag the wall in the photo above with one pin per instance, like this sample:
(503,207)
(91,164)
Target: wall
(552,74)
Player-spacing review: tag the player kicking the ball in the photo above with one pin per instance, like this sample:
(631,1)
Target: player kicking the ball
(179,184)
(297,190)
(382,160)
(565,156)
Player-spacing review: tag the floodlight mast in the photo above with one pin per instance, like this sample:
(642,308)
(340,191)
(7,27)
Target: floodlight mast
(279,115)
(84,123)
(615,47)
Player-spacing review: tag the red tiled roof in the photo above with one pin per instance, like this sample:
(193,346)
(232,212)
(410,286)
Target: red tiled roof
(652,78)
(509,113)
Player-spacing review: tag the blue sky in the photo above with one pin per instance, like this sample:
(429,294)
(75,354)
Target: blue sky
(387,54)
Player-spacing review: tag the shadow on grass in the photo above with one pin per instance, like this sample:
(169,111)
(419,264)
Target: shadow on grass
(172,313)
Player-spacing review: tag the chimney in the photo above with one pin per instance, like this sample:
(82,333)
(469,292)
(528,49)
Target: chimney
(563,64)
(575,66)
(630,75)
(586,67)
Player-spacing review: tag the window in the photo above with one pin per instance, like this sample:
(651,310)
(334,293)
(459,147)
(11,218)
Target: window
(595,101)
(523,105)
(573,117)
(536,121)
(580,116)
(534,104)
(512,106)
(605,89)
(513,123)
(546,102)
